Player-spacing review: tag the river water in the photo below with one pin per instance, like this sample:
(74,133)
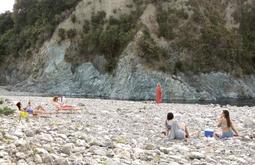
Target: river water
(233,102)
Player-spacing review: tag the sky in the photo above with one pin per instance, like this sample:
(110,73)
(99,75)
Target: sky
(6,5)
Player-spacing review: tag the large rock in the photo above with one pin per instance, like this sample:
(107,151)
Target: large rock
(20,155)
(249,122)
(38,159)
(61,161)
(40,150)
(20,143)
(196,155)
(67,148)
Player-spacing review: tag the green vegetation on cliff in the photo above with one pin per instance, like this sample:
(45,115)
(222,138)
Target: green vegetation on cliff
(31,23)
(204,43)
(107,37)
(197,35)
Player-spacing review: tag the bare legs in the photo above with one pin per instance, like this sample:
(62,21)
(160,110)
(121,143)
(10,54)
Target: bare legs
(184,127)
(39,110)
(186,131)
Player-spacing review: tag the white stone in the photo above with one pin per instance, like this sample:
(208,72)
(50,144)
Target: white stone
(20,155)
(41,150)
(63,136)
(22,162)
(38,159)
(1,136)
(81,142)
(47,158)
(67,148)
(61,161)
(20,143)
(46,137)
(174,163)
(3,154)
(149,147)
(18,133)
(196,155)
(165,150)
(241,160)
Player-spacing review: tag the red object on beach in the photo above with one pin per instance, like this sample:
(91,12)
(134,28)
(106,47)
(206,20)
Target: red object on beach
(158,94)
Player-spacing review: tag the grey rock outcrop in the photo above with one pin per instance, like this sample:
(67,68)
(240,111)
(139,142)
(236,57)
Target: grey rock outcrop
(132,81)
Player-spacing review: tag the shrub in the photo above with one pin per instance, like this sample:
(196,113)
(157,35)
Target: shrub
(152,53)
(182,14)
(6,22)
(1,101)
(71,33)
(86,26)
(114,11)
(167,20)
(247,31)
(6,111)
(98,18)
(148,47)
(107,37)
(109,41)
(197,17)
(110,66)
(31,23)
(138,2)
(73,18)
(129,6)
(61,34)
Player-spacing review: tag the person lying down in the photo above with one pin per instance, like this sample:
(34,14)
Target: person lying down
(61,106)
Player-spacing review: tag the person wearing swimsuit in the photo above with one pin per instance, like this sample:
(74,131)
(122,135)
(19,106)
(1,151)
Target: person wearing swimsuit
(174,130)
(61,106)
(37,111)
(226,125)
(29,108)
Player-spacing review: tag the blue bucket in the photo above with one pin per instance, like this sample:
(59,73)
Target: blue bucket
(209,133)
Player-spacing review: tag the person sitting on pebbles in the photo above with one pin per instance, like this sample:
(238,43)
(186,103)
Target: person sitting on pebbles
(174,130)
(39,110)
(226,125)
(20,108)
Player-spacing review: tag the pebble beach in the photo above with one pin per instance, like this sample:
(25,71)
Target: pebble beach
(110,132)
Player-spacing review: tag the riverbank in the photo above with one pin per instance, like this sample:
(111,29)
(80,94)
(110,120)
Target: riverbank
(223,102)
(123,132)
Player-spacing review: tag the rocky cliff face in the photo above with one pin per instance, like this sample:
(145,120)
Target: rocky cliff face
(133,77)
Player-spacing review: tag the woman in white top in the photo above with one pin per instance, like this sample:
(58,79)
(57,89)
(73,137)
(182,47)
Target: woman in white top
(174,130)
